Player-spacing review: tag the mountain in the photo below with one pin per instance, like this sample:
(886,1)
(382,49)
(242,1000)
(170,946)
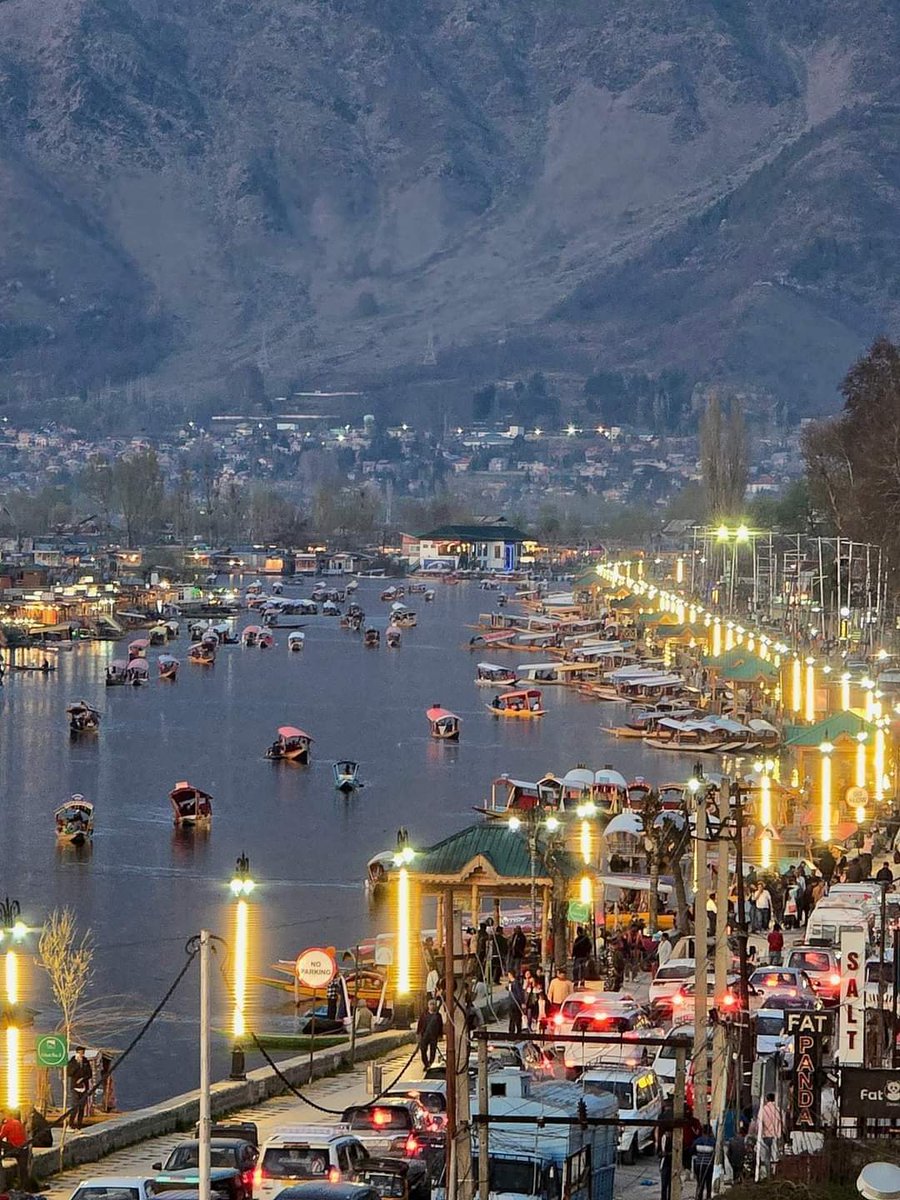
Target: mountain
(331,188)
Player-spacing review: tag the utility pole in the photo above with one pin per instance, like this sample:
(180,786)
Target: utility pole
(484,1173)
(459,1144)
(701,1006)
(678,1113)
(720,1040)
(204,1130)
(742,933)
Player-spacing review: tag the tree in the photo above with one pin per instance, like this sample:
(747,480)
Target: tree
(724,458)
(97,484)
(483,403)
(666,837)
(139,490)
(69,963)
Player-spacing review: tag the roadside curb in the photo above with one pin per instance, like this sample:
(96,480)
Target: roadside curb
(182,1112)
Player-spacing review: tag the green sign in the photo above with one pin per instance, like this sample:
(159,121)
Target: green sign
(578,912)
(51,1050)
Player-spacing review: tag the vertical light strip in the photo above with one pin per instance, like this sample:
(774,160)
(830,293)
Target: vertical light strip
(826,796)
(241,950)
(403,949)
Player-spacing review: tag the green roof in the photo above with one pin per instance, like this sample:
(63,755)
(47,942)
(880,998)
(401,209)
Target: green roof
(750,671)
(505,849)
(475,533)
(846,724)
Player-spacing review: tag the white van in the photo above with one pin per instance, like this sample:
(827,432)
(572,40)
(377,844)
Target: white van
(667,980)
(638,1094)
(827,923)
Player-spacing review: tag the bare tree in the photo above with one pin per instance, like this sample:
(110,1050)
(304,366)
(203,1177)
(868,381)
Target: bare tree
(666,838)
(69,963)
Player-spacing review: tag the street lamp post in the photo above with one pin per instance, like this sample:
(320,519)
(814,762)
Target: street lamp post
(12,930)
(241,886)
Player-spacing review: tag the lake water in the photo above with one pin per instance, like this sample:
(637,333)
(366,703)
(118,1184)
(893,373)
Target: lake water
(143,888)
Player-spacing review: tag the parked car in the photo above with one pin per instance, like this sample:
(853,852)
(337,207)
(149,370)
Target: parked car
(788,981)
(728,1002)
(296,1154)
(667,980)
(665,1062)
(577,1002)
(431,1094)
(224,1182)
(639,1096)
(823,969)
(115,1187)
(392,1126)
(329,1191)
(396,1179)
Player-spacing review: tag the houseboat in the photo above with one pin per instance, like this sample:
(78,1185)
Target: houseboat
(491,675)
(167,666)
(83,717)
(291,745)
(202,653)
(524,703)
(190,805)
(75,821)
(346,775)
(444,724)
(296,641)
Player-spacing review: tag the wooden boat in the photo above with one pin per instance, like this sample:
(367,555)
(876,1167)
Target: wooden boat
(346,775)
(202,653)
(158,635)
(83,718)
(498,638)
(307,608)
(265,640)
(393,637)
(296,641)
(331,609)
(414,588)
(190,805)
(390,593)
(429,595)
(524,704)
(138,648)
(138,672)
(444,724)
(402,616)
(372,637)
(167,666)
(75,821)
(250,635)
(291,745)
(116,673)
(491,675)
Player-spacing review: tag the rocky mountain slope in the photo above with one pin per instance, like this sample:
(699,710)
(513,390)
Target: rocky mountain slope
(710,184)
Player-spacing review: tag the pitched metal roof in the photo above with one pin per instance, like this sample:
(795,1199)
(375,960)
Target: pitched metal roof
(475,533)
(845,724)
(505,849)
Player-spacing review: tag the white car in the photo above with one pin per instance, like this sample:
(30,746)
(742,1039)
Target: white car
(613,1015)
(668,979)
(115,1187)
(665,1062)
(304,1153)
(577,1002)
(639,1096)
(768,1030)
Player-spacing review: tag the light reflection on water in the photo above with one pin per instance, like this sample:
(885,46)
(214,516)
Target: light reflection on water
(144,887)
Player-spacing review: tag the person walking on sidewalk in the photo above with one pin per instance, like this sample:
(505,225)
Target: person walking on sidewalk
(81,1078)
(516,1003)
(775,942)
(430,1030)
(704,1161)
(771,1130)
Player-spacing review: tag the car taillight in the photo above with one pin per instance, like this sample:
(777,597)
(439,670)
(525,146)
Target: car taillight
(678,998)
(258,1176)
(247,1177)
(411,1145)
(558,1019)
(834,980)
(334,1175)
(728,1000)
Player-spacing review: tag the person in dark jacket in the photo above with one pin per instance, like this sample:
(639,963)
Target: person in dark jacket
(430,1030)
(517,1001)
(81,1078)
(581,953)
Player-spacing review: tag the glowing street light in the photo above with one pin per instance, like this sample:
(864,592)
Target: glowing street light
(679,570)
(12,930)
(861,739)
(742,533)
(796,686)
(825,750)
(722,533)
(240,887)
(716,638)
(845,693)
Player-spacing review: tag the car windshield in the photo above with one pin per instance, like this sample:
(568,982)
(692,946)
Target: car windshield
(108,1192)
(515,1176)
(295,1162)
(572,1008)
(672,973)
(386,1183)
(381,1119)
(770,979)
(620,1088)
(769,1026)
(810,960)
(184,1157)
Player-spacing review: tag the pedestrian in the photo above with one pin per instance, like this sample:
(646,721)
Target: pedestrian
(775,942)
(581,953)
(885,874)
(763,908)
(559,989)
(664,1146)
(516,1003)
(704,1160)
(81,1077)
(518,947)
(334,999)
(14,1144)
(792,907)
(430,1030)
(736,1150)
(711,914)
(663,950)
(770,1130)
(501,962)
